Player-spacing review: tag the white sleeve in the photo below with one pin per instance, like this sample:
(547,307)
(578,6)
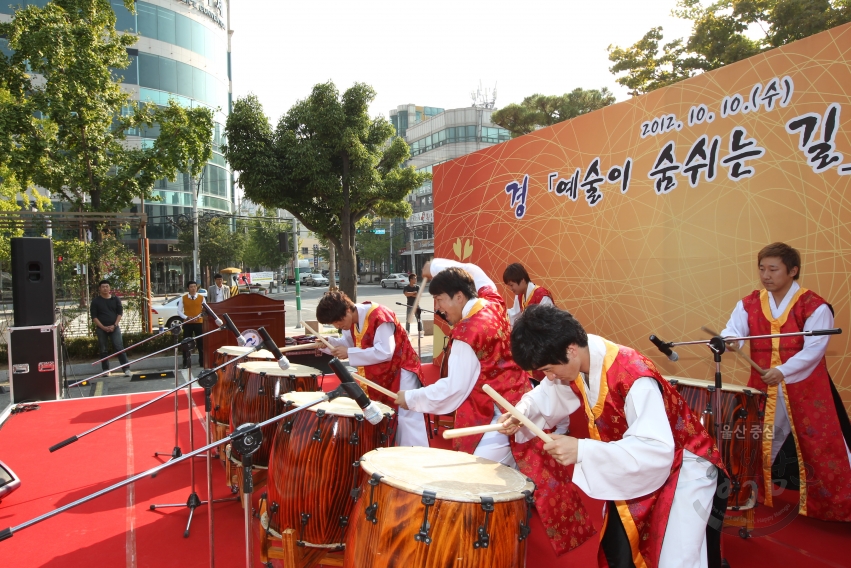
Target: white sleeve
(344,341)
(637,464)
(801,365)
(546,301)
(548,405)
(447,394)
(738,324)
(514,311)
(479,277)
(383,345)
(180,313)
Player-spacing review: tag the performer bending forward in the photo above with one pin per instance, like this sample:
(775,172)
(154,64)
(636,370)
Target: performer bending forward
(802,400)
(373,340)
(648,455)
(479,354)
(525,292)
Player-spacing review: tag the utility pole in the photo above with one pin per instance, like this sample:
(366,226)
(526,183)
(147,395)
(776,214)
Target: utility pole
(296,275)
(196,268)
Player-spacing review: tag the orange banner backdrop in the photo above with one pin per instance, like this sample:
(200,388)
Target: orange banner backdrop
(646,216)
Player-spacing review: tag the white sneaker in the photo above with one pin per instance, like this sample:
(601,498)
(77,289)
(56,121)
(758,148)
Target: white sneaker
(422,334)
(127,372)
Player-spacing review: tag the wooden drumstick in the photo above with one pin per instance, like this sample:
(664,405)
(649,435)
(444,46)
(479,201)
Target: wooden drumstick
(413,309)
(300,347)
(366,381)
(471,431)
(516,414)
(735,349)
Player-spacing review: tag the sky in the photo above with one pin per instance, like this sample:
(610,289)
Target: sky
(436,52)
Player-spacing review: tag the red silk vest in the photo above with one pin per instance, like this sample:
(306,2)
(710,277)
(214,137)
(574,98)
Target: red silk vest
(645,518)
(823,466)
(389,373)
(538,294)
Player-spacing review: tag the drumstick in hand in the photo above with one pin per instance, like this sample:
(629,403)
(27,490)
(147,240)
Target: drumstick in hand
(300,347)
(366,381)
(413,309)
(735,349)
(471,431)
(508,407)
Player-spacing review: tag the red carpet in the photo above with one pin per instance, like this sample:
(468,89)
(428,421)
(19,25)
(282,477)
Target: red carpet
(118,529)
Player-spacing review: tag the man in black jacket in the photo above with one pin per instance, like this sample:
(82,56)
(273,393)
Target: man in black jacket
(106,312)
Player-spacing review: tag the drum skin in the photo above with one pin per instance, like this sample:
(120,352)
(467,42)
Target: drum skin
(389,542)
(312,471)
(254,401)
(742,411)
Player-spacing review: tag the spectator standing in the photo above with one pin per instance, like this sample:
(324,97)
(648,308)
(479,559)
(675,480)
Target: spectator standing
(219,292)
(106,312)
(189,306)
(410,292)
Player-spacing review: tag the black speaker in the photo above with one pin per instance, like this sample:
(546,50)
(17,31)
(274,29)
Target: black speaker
(284,242)
(33,296)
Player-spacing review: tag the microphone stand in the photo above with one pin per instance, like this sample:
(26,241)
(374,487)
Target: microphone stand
(163,332)
(247,436)
(74,438)
(419,329)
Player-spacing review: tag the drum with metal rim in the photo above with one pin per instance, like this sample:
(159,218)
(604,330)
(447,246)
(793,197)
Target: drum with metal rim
(313,470)
(431,507)
(225,387)
(741,418)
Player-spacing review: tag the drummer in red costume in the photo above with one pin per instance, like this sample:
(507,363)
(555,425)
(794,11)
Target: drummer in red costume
(373,340)
(802,400)
(648,456)
(479,354)
(525,292)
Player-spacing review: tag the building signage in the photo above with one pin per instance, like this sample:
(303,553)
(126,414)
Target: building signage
(213,12)
(424,244)
(422,217)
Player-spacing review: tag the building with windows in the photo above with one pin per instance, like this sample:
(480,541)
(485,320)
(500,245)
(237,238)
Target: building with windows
(434,138)
(183,53)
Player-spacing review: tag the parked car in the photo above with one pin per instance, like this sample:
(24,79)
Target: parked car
(316,279)
(399,280)
(168,310)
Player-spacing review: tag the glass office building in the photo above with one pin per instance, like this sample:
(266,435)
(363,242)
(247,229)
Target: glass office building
(183,53)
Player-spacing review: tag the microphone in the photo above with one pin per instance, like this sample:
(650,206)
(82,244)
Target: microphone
(664,348)
(370,410)
(269,344)
(229,324)
(209,311)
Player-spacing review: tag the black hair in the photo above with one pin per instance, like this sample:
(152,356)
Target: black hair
(102,282)
(542,334)
(451,281)
(333,306)
(217,276)
(515,273)
(411,275)
(191,282)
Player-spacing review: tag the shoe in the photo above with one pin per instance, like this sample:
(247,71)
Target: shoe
(127,372)
(422,334)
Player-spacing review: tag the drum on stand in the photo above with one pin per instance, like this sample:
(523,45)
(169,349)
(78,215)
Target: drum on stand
(259,386)
(431,507)
(225,387)
(313,470)
(741,417)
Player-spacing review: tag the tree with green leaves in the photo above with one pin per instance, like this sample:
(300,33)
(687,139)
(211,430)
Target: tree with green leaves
(720,36)
(261,249)
(538,111)
(64,115)
(376,248)
(218,245)
(327,162)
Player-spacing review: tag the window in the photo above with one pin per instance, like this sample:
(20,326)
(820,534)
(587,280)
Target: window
(169,26)
(124,20)
(166,25)
(146,16)
(304,250)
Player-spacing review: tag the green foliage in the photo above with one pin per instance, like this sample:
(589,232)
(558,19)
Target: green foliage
(719,37)
(64,116)
(327,162)
(262,249)
(87,347)
(538,111)
(218,246)
(376,248)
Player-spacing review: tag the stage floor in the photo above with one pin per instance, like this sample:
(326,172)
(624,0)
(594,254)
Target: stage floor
(118,529)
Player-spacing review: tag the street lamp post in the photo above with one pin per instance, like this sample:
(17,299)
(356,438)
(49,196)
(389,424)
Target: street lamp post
(296,274)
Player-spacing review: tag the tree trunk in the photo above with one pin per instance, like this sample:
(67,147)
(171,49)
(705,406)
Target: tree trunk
(332,266)
(348,259)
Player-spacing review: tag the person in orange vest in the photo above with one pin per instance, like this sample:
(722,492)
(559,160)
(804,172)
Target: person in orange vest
(189,306)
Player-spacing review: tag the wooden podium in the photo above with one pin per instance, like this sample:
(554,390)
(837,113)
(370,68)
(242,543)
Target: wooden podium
(248,311)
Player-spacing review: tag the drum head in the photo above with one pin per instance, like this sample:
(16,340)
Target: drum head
(271,368)
(341,406)
(454,476)
(706,384)
(237,351)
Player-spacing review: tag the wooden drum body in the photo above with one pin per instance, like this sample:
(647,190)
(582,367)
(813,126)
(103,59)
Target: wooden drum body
(741,417)
(225,388)
(259,386)
(313,470)
(430,508)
